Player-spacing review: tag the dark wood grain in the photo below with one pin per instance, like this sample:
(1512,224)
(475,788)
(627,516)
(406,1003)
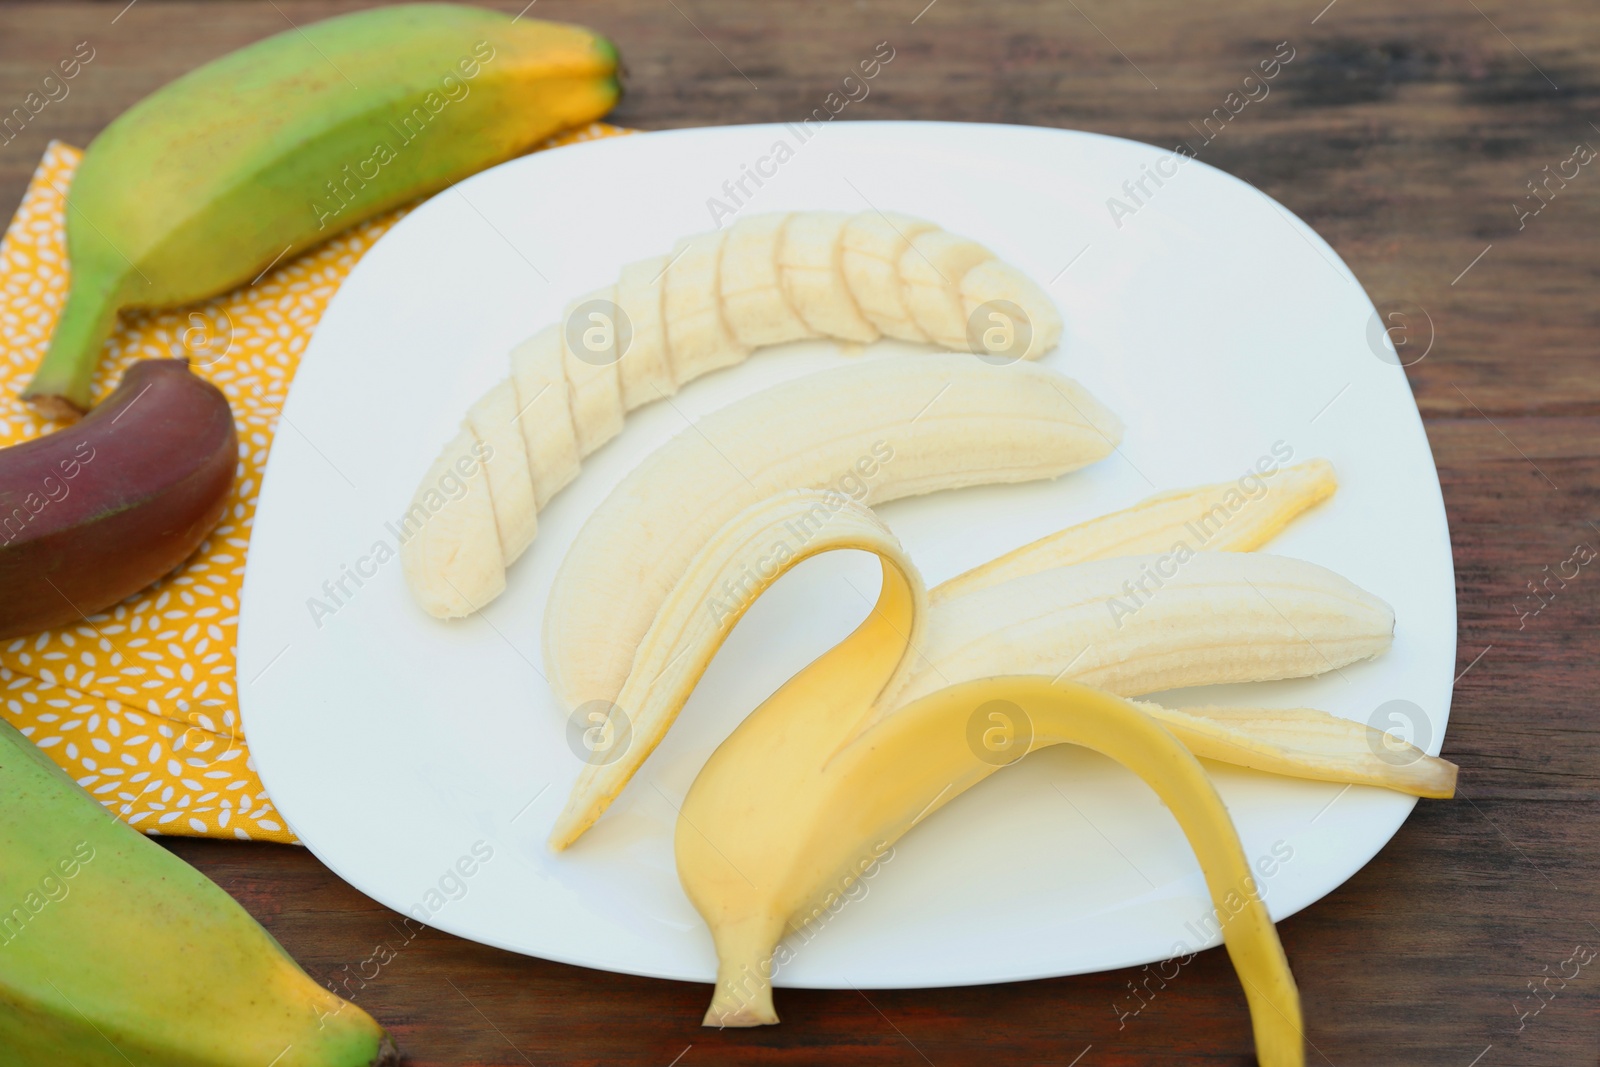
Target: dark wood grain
(1403,132)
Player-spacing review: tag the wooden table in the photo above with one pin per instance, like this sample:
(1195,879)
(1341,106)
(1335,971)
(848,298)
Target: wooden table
(1405,133)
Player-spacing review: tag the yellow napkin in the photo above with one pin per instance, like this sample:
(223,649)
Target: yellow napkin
(139,704)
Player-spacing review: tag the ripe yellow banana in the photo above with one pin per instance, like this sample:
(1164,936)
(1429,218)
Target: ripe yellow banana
(269,150)
(717,297)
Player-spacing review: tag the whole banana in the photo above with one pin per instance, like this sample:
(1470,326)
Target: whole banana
(269,150)
(718,297)
(97,511)
(114,952)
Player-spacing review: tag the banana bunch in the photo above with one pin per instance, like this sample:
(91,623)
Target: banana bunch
(892,723)
(766,280)
(209,181)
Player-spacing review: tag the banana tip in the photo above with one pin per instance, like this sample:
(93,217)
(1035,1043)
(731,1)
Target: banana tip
(388,1053)
(742,1016)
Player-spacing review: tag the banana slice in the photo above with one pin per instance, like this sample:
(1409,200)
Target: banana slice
(451,553)
(698,340)
(645,371)
(544,398)
(873,244)
(931,271)
(493,422)
(590,365)
(811,262)
(753,299)
(1008,313)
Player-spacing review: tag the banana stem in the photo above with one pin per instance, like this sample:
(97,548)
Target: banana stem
(62,387)
(746,960)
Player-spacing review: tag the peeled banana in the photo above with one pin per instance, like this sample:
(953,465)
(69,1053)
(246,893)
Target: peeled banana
(1221,617)
(269,150)
(871,431)
(1226,517)
(717,297)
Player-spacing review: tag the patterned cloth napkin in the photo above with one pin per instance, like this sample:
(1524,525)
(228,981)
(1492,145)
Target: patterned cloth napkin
(139,702)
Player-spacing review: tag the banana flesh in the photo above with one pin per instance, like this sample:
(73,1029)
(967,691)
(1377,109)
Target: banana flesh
(1217,518)
(768,279)
(891,427)
(1222,617)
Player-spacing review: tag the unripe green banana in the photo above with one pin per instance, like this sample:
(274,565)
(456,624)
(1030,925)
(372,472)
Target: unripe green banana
(272,149)
(114,952)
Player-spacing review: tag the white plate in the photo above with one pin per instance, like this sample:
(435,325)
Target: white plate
(1214,322)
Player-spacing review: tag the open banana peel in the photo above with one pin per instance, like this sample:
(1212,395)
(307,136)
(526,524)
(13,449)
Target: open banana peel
(893,723)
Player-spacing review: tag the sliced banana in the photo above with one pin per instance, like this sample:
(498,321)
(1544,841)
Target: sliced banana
(753,299)
(493,422)
(698,340)
(810,259)
(545,400)
(645,371)
(590,364)
(451,552)
(932,269)
(768,279)
(873,245)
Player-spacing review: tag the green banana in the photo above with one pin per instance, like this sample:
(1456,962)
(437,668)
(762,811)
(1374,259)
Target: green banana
(114,951)
(269,150)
